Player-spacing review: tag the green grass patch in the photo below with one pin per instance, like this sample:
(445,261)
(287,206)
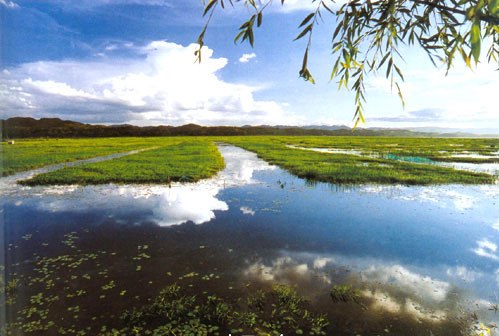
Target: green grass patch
(353,169)
(193,158)
(424,147)
(179,159)
(29,154)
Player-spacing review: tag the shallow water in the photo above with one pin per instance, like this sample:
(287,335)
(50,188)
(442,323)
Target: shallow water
(330,150)
(420,255)
(476,155)
(488,168)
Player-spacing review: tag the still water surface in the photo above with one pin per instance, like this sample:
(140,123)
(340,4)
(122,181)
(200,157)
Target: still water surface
(420,255)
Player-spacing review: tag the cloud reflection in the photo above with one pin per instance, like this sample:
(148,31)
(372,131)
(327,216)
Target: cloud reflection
(463,273)
(164,205)
(392,288)
(486,249)
(425,287)
(247,211)
(289,270)
(453,196)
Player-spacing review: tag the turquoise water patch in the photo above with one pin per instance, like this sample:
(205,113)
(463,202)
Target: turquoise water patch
(413,159)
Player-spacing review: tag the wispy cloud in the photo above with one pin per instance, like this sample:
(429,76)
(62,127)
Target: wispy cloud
(423,115)
(463,98)
(97,3)
(9,4)
(158,84)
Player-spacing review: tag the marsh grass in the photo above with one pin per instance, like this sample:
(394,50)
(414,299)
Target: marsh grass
(30,154)
(175,312)
(353,169)
(193,158)
(424,147)
(188,160)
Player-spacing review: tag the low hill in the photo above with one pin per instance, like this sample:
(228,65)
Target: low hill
(22,127)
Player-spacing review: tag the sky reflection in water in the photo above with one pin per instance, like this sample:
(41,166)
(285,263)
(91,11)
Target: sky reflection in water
(413,247)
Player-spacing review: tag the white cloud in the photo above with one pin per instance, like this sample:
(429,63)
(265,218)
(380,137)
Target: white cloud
(159,84)
(291,6)
(56,88)
(9,4)
(297,5)
(245,58)
(462,99)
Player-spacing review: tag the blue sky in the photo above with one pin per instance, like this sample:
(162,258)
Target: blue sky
(132,61)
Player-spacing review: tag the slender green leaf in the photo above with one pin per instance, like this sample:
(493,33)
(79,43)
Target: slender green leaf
(209,6)
(475,40)
(304,32)
(389,67)
(307,19)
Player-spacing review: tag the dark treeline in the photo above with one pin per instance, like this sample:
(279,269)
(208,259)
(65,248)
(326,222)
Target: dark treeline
(15,128)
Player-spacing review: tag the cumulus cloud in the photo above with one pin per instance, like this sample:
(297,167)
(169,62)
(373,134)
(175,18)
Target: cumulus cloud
(158,84)
(245,58)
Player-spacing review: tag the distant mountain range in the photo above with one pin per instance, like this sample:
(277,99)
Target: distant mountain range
(21,127)
(478,131)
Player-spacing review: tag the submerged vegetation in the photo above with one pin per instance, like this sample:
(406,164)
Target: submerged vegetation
(342,160)
(68,284)
(174,312)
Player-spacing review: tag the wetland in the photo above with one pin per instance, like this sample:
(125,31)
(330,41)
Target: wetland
(259,244)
